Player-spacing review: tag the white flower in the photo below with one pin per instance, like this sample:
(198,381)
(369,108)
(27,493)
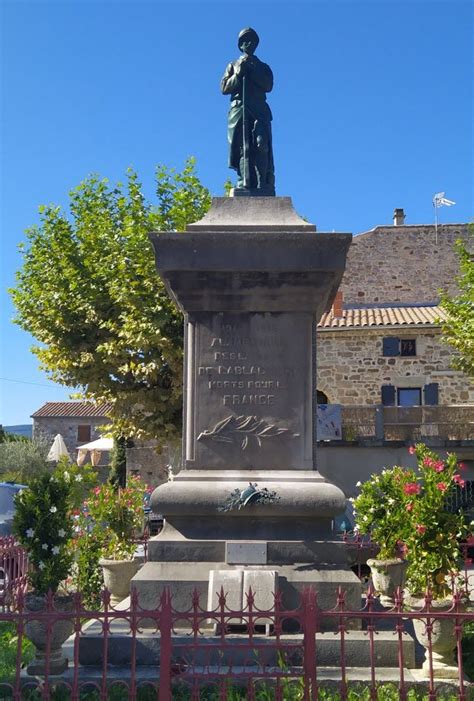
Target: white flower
(66,475)
(30,533)
(390,501)
(372,509)
(365,518)
(45,546)
(41,565)
(61,533)
(55,550)
(53,509)
(78,478)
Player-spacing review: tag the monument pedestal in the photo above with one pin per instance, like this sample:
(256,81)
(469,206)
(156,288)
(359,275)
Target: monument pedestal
(252,279)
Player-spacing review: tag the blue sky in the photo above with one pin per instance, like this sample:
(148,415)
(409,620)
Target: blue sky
(372,110)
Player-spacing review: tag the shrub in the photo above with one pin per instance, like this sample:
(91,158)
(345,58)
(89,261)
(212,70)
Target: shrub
(43,525)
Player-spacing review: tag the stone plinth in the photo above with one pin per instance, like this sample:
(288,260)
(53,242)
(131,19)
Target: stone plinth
(252,279)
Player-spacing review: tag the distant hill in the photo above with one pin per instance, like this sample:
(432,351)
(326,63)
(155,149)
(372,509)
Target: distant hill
(21,430)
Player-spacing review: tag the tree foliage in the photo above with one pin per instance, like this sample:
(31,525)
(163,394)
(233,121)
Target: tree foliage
(458,328)
(88,291)
(20,461)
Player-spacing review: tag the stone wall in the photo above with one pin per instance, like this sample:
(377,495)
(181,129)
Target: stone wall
(351,367)
(150,463)
(401,264)
(47,427)
(345,466)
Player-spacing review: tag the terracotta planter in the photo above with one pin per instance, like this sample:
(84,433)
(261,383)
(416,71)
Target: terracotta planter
(387,577)
(117,577)
(443,637)
(59,631)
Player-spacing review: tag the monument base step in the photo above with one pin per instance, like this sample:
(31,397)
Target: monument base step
(237,651)
(184,578)
(276,552)
(326,677)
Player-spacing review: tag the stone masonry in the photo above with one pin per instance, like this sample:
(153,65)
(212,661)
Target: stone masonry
(402,264)
(352,368)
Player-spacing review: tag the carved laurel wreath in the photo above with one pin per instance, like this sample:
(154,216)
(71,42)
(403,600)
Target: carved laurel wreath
(244,429)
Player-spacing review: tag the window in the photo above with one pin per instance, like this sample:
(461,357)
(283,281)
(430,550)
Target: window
(407,346)
(404,347)
(83,433)
(409,396)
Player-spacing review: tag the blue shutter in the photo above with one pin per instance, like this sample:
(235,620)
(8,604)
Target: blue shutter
(388,395)
(391,346)
(431,393)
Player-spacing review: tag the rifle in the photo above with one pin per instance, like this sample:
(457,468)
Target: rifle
(246,173)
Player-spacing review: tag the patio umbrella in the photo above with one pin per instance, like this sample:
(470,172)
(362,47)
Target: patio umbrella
(58,450)
(96,448)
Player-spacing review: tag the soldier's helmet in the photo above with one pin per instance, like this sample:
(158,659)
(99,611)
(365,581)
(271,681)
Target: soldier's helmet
(248,32)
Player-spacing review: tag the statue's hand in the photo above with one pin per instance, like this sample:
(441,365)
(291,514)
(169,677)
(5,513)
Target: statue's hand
(243,65)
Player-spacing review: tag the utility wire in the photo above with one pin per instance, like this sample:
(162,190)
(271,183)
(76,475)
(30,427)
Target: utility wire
(37,384)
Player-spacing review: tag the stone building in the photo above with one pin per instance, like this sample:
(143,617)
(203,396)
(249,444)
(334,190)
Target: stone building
(381,356)
(77,422)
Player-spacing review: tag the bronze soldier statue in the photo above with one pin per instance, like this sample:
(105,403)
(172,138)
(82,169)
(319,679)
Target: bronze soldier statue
(247,80)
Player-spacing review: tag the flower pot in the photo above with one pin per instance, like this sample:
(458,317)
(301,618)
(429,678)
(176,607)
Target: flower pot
(387,577)
(443,637)
(38,631)
(117,577)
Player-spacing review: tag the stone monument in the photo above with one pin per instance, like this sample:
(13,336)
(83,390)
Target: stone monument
(252,279)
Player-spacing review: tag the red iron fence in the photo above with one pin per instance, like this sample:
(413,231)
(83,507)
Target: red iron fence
(224,653)
(13,571)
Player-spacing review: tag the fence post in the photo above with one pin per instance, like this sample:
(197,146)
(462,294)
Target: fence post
(379,427)
(309,643)
(166,627)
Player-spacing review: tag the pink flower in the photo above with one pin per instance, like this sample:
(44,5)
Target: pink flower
(412,488)
(462,466)
(459,480)
(428,462)
(420,528)
(412,450)
(410,507)
(97,490)
(439,466)
(441,486)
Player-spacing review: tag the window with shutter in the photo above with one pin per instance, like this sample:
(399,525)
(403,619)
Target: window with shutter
(83,433)
(391,346)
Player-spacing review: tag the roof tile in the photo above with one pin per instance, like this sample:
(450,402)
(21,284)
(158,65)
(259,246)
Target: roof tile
(382,316)
(73,409)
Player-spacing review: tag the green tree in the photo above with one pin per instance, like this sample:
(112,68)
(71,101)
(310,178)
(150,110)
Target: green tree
(458,328)
(20,461)
(88,291)
(118,465)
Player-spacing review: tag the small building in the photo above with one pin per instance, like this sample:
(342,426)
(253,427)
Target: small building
(381,357)
(77,422)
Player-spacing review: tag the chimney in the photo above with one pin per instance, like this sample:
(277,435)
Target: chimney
(398,217)
(337,304)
